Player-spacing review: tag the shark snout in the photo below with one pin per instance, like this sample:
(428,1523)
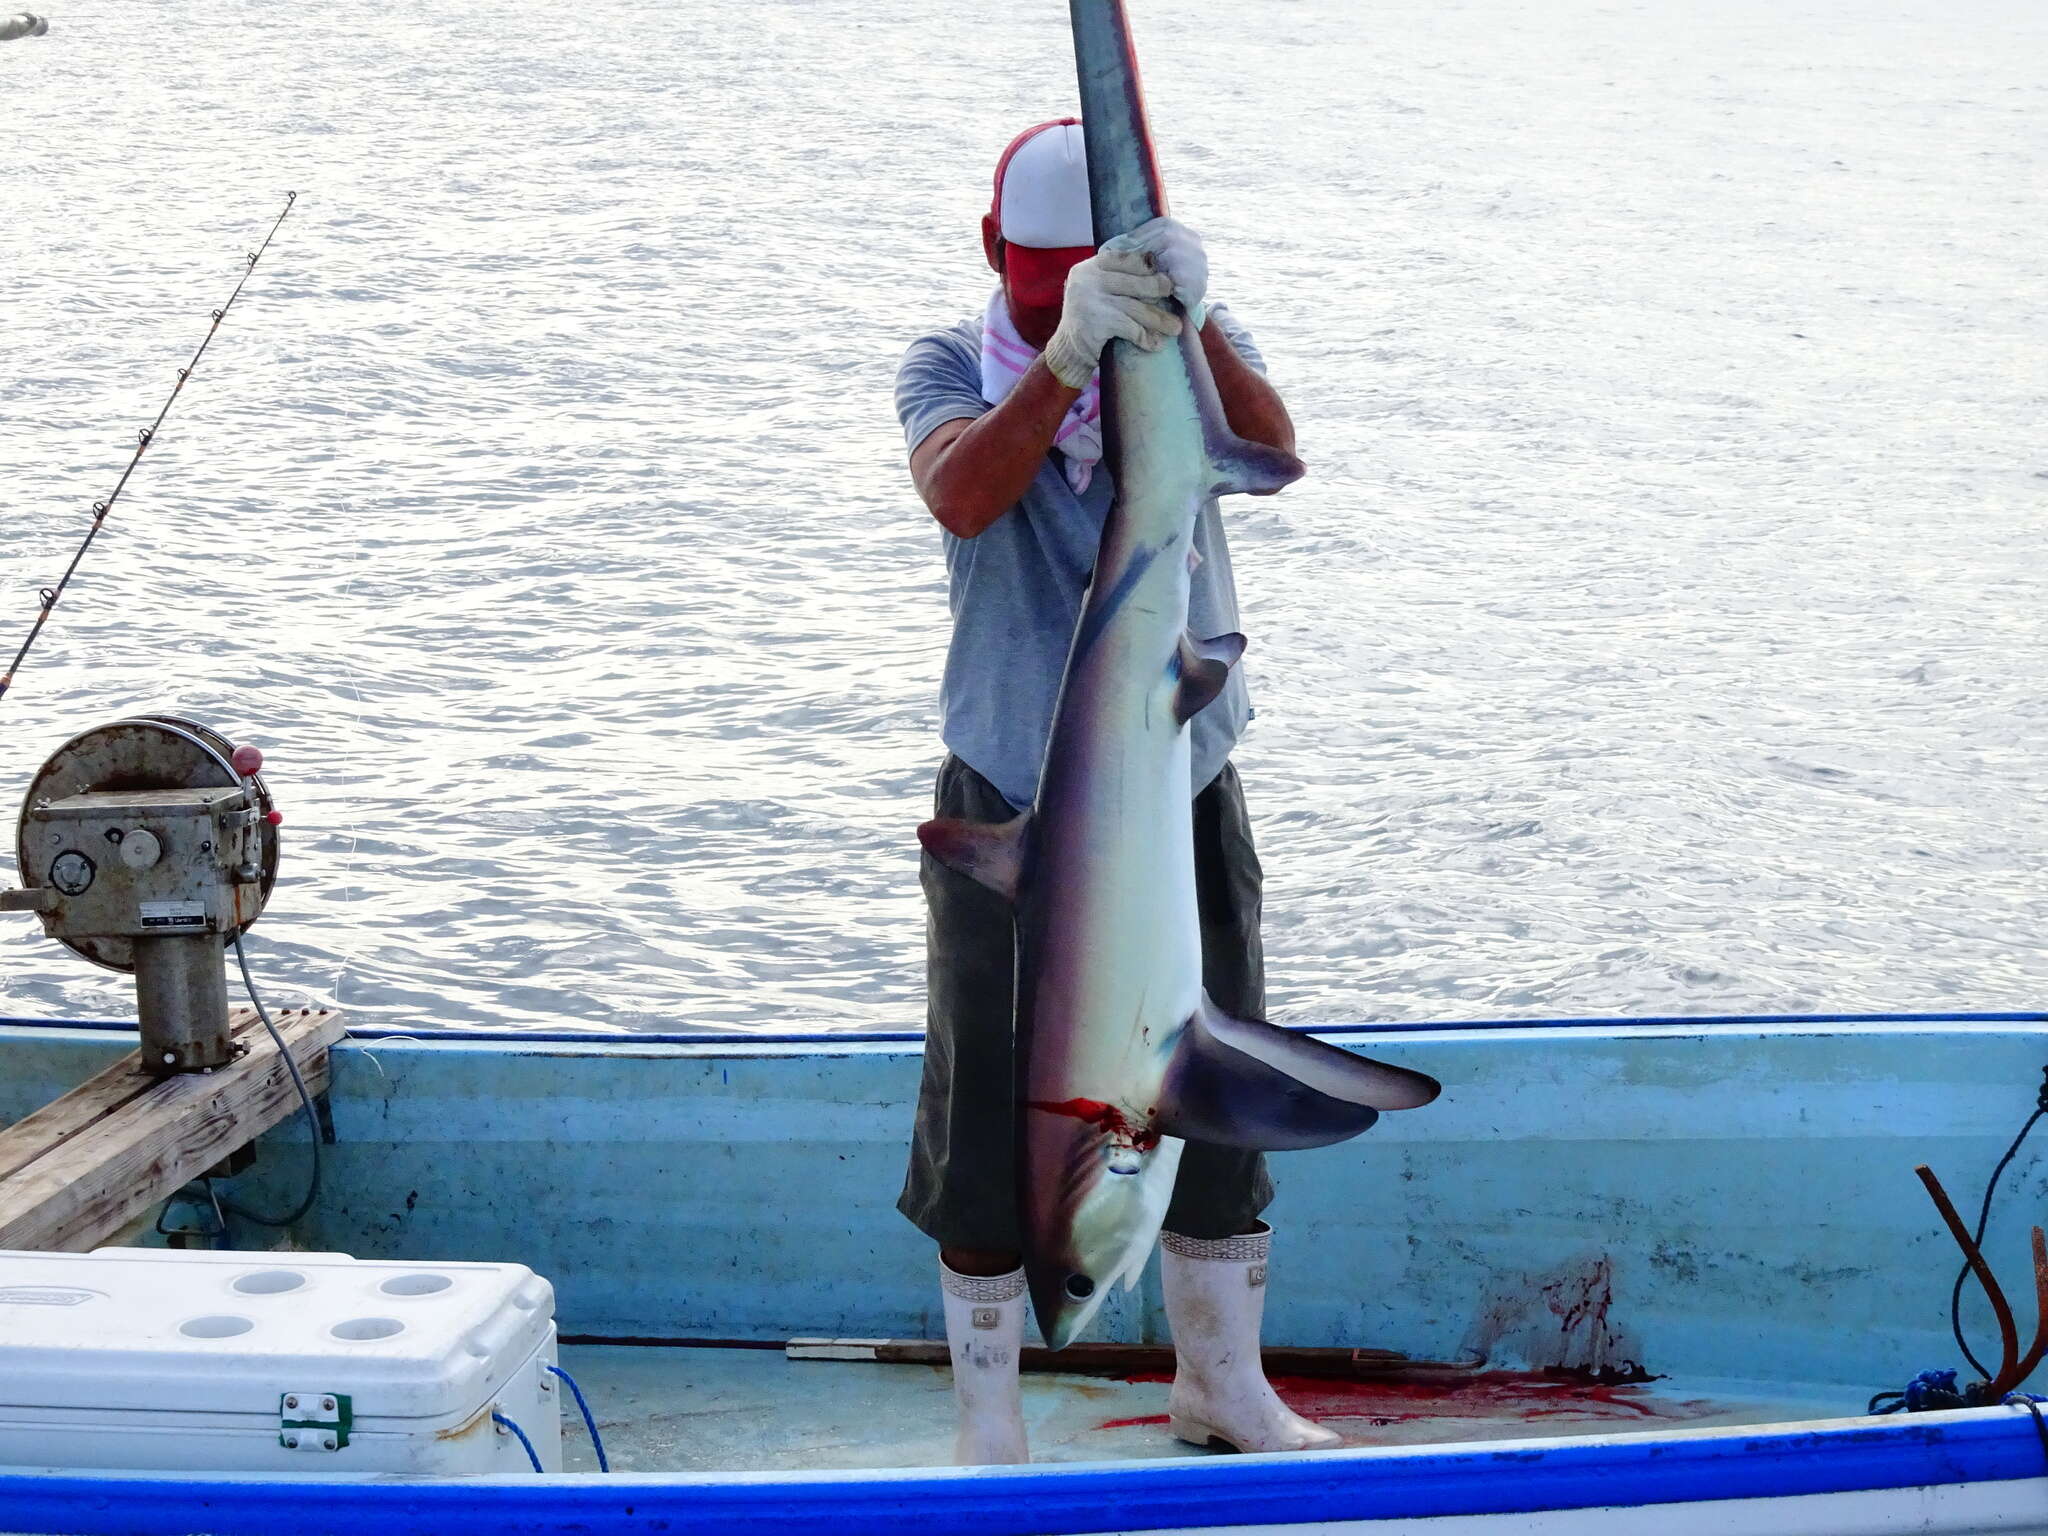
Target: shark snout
(1064,1297)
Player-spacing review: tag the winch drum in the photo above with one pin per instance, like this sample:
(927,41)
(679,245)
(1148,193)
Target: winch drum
(144,850)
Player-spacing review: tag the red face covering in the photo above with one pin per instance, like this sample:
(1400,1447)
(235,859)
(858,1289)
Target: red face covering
(1038,277)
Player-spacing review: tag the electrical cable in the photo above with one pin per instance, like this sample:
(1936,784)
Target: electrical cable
(305,1102)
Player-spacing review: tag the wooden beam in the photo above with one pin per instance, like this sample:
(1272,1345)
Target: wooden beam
(79,1110)
(76,1171)
(48,1128)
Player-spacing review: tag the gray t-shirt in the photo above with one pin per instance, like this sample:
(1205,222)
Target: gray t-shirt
(1016,589)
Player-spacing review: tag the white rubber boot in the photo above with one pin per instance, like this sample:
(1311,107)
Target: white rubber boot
(1215,1296)
(985,1332)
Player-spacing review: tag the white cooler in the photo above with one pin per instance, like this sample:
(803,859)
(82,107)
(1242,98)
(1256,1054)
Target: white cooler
(307,1364)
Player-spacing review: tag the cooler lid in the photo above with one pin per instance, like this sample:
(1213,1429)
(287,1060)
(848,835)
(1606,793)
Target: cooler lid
(158,1330)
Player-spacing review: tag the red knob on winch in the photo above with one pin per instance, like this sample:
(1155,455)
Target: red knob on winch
(246,760)
(275,818)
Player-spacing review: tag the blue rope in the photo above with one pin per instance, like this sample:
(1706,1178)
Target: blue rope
(531,1454)
(589,1423)
(1930,1392)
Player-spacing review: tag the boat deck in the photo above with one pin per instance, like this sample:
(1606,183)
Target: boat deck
(665,1409)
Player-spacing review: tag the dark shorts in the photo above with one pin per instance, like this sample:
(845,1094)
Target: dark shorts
(962,1186)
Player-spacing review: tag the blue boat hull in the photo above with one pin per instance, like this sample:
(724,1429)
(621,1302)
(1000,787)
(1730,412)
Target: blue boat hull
(1976,1471)
(1705,1200)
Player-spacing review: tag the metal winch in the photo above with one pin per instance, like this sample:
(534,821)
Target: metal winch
(148,846)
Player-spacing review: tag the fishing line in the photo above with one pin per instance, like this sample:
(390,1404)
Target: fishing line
(50,595)
(355,831)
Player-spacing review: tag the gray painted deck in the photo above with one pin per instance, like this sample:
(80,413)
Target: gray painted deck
(718,1410)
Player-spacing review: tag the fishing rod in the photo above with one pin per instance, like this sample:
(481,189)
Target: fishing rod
(49,595)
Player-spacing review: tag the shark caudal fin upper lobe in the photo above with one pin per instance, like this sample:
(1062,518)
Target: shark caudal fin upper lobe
(1246,1083)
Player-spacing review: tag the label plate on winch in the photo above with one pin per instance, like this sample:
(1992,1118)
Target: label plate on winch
(159,915)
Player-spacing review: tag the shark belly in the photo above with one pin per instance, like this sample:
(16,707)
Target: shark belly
(1109,952)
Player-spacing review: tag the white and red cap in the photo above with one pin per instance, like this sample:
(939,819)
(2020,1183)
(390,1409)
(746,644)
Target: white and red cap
(1041,209)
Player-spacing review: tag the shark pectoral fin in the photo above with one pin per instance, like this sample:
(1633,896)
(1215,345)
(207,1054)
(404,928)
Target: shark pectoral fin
(1239,466)
(1204,669)
(1245,1083)
(1236,464)
(991,852)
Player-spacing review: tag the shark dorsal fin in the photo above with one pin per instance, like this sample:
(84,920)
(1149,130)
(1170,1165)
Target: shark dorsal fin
(991,852)
(1247,1083)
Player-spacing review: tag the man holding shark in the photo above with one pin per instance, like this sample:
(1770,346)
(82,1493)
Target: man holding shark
(1004,421)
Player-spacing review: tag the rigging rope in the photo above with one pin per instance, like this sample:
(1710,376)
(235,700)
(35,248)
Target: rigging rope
(1938,1389)
(1955,1300)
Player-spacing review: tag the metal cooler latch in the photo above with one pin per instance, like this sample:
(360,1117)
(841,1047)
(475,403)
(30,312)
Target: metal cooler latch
(314,1421)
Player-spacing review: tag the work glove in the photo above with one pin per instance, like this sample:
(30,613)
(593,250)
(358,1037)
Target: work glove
(1177,253)
(1113,293)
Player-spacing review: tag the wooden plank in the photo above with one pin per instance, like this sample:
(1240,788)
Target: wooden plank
(109,1163)
(85,1106)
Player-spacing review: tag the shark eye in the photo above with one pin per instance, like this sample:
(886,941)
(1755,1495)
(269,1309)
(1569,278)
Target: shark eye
(1079,1287)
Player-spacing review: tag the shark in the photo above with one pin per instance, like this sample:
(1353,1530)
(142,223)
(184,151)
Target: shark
(1122,1055)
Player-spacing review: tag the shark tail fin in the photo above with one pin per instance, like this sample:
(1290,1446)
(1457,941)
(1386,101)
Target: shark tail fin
(1246,1083)
(1204,667)
(991,852)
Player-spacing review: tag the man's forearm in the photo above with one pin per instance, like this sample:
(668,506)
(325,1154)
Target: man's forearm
(986,469)
(1250,404)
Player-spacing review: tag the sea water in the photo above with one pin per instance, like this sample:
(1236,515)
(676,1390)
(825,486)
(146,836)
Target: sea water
(1660,629)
